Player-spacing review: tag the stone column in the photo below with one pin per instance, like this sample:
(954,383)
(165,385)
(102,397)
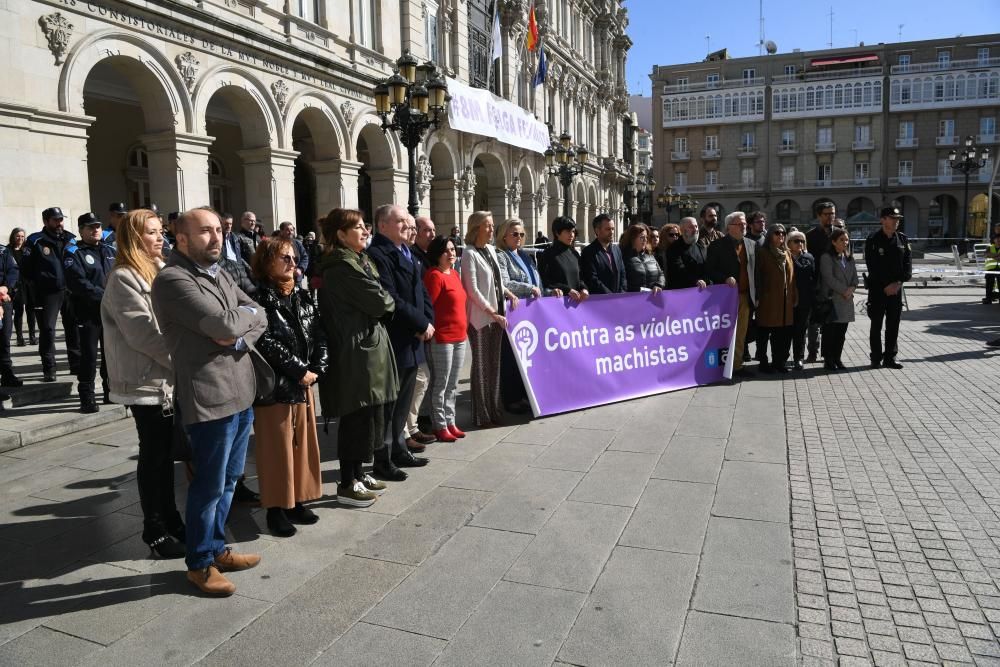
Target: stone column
(329,186)
(178,169)
(386,185)
(444,204)
(270,184)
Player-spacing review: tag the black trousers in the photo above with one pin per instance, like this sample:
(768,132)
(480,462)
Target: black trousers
(511,385)
(394,442)
(889,309)
(780,339)
(359,435)
(834,334)
(91,335)
(155,470)
(47,309)
(23,308)
(800,328)
(6,328)
(991,283)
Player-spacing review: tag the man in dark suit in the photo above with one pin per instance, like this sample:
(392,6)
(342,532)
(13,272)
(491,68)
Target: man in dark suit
(685,258)
(818,243)
(601,265)
(412,324)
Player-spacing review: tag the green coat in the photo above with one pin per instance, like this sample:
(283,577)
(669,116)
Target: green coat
(351,305)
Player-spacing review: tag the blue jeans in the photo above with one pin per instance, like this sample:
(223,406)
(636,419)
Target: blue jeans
(218,453)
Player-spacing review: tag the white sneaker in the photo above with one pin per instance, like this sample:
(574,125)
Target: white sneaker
(355,496)
(373,485)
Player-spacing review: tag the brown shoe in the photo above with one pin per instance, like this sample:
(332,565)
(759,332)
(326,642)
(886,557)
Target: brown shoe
(414,446)
(424,438)
(228,561)
(211,582)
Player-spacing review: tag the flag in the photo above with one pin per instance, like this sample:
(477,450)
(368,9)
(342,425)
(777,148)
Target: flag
(532,29)
(497,40)
(543,68)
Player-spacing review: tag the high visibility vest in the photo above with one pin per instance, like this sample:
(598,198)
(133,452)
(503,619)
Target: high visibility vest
(992,260)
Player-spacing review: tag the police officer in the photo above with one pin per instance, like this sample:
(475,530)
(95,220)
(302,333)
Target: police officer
(887,256)
(9,274)
(116,214)
(87,265)
(42,265)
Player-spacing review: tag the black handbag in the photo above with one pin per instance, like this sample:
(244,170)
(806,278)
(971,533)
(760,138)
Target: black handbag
(264,378)
(823,311)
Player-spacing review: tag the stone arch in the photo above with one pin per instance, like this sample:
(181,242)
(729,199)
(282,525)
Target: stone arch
(386,151)
(748,206)
(526,207)
(377,165)
(444,204)
(858,205)
(944,217)
(491,182)
(325,123)
(259,116)
(313,134)
(788,212)
(160,89)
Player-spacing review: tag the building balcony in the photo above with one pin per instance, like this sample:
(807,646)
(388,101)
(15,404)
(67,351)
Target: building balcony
(788,149)
(828,74)
(680,156)
(988,138)
(828,147)
(907,142)
(976,63)
(747,151)
(864,145)
(711,153)
(937,179)
(838,183)
(671,89)
(946,141)
(708,187)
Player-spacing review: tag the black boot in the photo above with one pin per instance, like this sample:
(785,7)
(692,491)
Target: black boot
(88,403)
(20,340)
(385,468)
(8,379)
(160,541)
(32,339)
(175,526)
(244,494)
(107,396)
(301,514)
(278,523)
(49,374)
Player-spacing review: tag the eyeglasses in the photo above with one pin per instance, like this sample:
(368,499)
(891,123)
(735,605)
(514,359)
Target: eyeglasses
(520,234)
(673,235)
(781,234)
(798,241)
(287,259)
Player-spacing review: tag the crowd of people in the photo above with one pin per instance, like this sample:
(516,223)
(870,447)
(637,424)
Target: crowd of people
(208,332)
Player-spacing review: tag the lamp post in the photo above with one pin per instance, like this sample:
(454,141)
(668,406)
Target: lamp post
(668,199)
(565,160)
(410,108)
(968,163)
(645,185)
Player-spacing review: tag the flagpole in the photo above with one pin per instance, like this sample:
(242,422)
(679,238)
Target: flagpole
(489,72)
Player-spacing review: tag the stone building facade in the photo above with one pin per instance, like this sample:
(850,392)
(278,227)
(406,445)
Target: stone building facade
(861,126)
(267,105)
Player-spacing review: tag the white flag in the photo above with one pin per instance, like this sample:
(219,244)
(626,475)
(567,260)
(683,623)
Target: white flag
(497,43)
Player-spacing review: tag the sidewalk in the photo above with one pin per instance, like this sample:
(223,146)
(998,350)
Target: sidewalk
(851,517)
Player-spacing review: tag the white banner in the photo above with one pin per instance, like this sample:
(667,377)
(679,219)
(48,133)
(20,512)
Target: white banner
(479,111)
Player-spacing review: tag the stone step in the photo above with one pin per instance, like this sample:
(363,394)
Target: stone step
(37,423)
(32,393)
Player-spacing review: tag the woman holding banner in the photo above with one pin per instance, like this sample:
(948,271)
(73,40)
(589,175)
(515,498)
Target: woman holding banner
(777,294)
(641,268)
(560,263)
(485,305)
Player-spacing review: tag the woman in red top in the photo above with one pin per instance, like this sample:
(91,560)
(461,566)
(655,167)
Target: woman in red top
(449,344)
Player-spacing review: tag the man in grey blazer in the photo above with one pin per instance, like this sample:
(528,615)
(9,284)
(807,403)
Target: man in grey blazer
(209,325)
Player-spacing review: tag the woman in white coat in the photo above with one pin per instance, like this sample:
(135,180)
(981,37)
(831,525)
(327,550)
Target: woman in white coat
(486,305)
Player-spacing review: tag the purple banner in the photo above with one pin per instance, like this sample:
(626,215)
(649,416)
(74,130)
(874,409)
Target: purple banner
(614,347)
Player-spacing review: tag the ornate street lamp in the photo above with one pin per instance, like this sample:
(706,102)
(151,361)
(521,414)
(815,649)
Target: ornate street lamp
(565,160)
(410,105)
(644,187)
(669,199)
(968,163)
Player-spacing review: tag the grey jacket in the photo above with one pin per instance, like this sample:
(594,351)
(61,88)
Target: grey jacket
(834,279)
(193,308)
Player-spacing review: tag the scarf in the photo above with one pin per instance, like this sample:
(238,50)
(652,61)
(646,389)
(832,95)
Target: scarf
(781,258)
(284,285)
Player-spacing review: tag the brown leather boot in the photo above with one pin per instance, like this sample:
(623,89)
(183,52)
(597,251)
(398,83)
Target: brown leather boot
(228,561)
(211,582)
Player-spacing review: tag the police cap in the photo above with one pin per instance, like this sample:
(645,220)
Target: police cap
(52,212)
(87,219)
(890,212)
(117,207)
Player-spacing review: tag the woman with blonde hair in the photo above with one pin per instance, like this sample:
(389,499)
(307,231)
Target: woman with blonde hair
(287,445)
(140,374)
(486,299)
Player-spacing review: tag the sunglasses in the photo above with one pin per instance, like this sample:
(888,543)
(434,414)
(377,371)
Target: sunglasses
(781,234)
(520,234)
(673,235)
(798,241)
(287,259)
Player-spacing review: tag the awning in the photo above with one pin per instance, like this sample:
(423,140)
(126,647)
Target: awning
(844,60)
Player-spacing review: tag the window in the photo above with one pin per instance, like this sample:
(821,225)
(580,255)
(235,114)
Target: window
(987,126)
(431,33)
(748,176)
(682,83)
(861,171)
(906,129)
(904,61)
(366,23)
(681,180)
(823,172)
(749,74)
(789,69)
(983,55)
(138,177)
(824,136)
(306,9)
(788,138)
(711,177)
(749,141)
(944,170)
(906,168)
(680,144)
(788,176)
(711,142)
(944,59)
(712,80)
(863,134)
(138,158)
(946,127)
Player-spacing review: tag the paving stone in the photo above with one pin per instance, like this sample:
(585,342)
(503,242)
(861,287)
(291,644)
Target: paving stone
(750,642)
(636,611)
(527,501)
(386,647)
(576,449)
(45,647)
(420,482)
(752,491)
(746,570)
(494,468)
(691,459)
(671,516)
(588,532)
(542,431)
(617,478)
(694,423)
(761,443)
(609,417)
(535,621)
(443,593)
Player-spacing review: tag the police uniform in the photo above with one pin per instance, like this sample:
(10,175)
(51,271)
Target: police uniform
(87,267)
(42,265)
(888,261)
(9,274)
(116,208)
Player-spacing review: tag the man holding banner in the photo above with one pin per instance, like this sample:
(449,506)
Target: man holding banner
(732,260)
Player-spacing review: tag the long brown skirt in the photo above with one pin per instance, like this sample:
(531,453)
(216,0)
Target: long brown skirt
(287,450)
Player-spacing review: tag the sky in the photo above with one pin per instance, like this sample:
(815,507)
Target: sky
(667,32)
